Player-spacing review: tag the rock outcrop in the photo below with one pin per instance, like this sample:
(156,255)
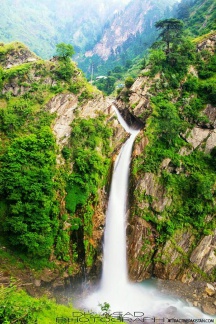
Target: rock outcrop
(208,44)
(16,54)
(171,259)
(141,244)
(136,100)
(66,107)
(203,256)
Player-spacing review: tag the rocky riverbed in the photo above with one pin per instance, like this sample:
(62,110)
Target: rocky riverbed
(197,293)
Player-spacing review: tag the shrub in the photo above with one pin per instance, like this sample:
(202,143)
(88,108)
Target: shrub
(129,82)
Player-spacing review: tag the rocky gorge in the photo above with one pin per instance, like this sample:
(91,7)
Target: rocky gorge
(187,254)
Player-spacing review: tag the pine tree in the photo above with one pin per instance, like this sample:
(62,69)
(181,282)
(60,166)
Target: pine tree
(170,31)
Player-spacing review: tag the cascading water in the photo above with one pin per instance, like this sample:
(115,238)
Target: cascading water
(114,272)
(115,288)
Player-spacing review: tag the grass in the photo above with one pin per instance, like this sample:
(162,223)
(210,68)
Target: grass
(16,306)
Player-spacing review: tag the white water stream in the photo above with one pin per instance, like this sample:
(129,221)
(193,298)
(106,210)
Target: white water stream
(115,287)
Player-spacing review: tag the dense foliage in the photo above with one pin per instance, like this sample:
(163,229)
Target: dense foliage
(199,19)
(26,182)
(178,99)
(199,15)
(32,184)
(16,306)
(89,149)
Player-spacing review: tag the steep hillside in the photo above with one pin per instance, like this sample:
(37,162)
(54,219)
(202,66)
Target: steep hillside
(127,36)
(171,231)
(124,59)
(199,16)
(43,24)
(55,155)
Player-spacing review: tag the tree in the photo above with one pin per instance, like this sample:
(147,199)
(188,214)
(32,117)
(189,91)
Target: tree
(170,31)
(27,187)
(169,124)
(64,51)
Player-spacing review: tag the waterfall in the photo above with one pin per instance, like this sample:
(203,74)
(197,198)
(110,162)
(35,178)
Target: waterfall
(114,272)
(115,288)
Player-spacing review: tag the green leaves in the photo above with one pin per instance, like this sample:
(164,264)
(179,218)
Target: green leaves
(129,82)
(90,146)
(16,306)
(170,31)
(89,150)
(26,179)
(64,51)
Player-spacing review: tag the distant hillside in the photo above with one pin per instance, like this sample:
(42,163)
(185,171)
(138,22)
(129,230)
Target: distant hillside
(43,24)
(127,36)
(127,59)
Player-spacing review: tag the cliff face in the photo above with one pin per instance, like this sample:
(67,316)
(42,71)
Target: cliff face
(118,33)
(186,251)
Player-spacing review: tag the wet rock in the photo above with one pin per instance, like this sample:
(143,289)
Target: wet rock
(210,290)
(204,254)
(48,275)
(170,259)
(141,243)
(186,291)
(209,309)
(171,311)
(37,282)
(57,284)
(197,136)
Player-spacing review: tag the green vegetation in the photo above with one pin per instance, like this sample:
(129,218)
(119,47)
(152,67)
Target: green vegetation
(199,16)
(199,19)
(32,185)
(178,99)
(89,149)
(128,82)
(170,31)
(17,307)
(128,55)
(26,182)
(47,208)
(64,51)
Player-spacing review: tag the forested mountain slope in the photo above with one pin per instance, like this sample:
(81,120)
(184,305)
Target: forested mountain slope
(199,16)
(43,24)
(131,56)
(126,36)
